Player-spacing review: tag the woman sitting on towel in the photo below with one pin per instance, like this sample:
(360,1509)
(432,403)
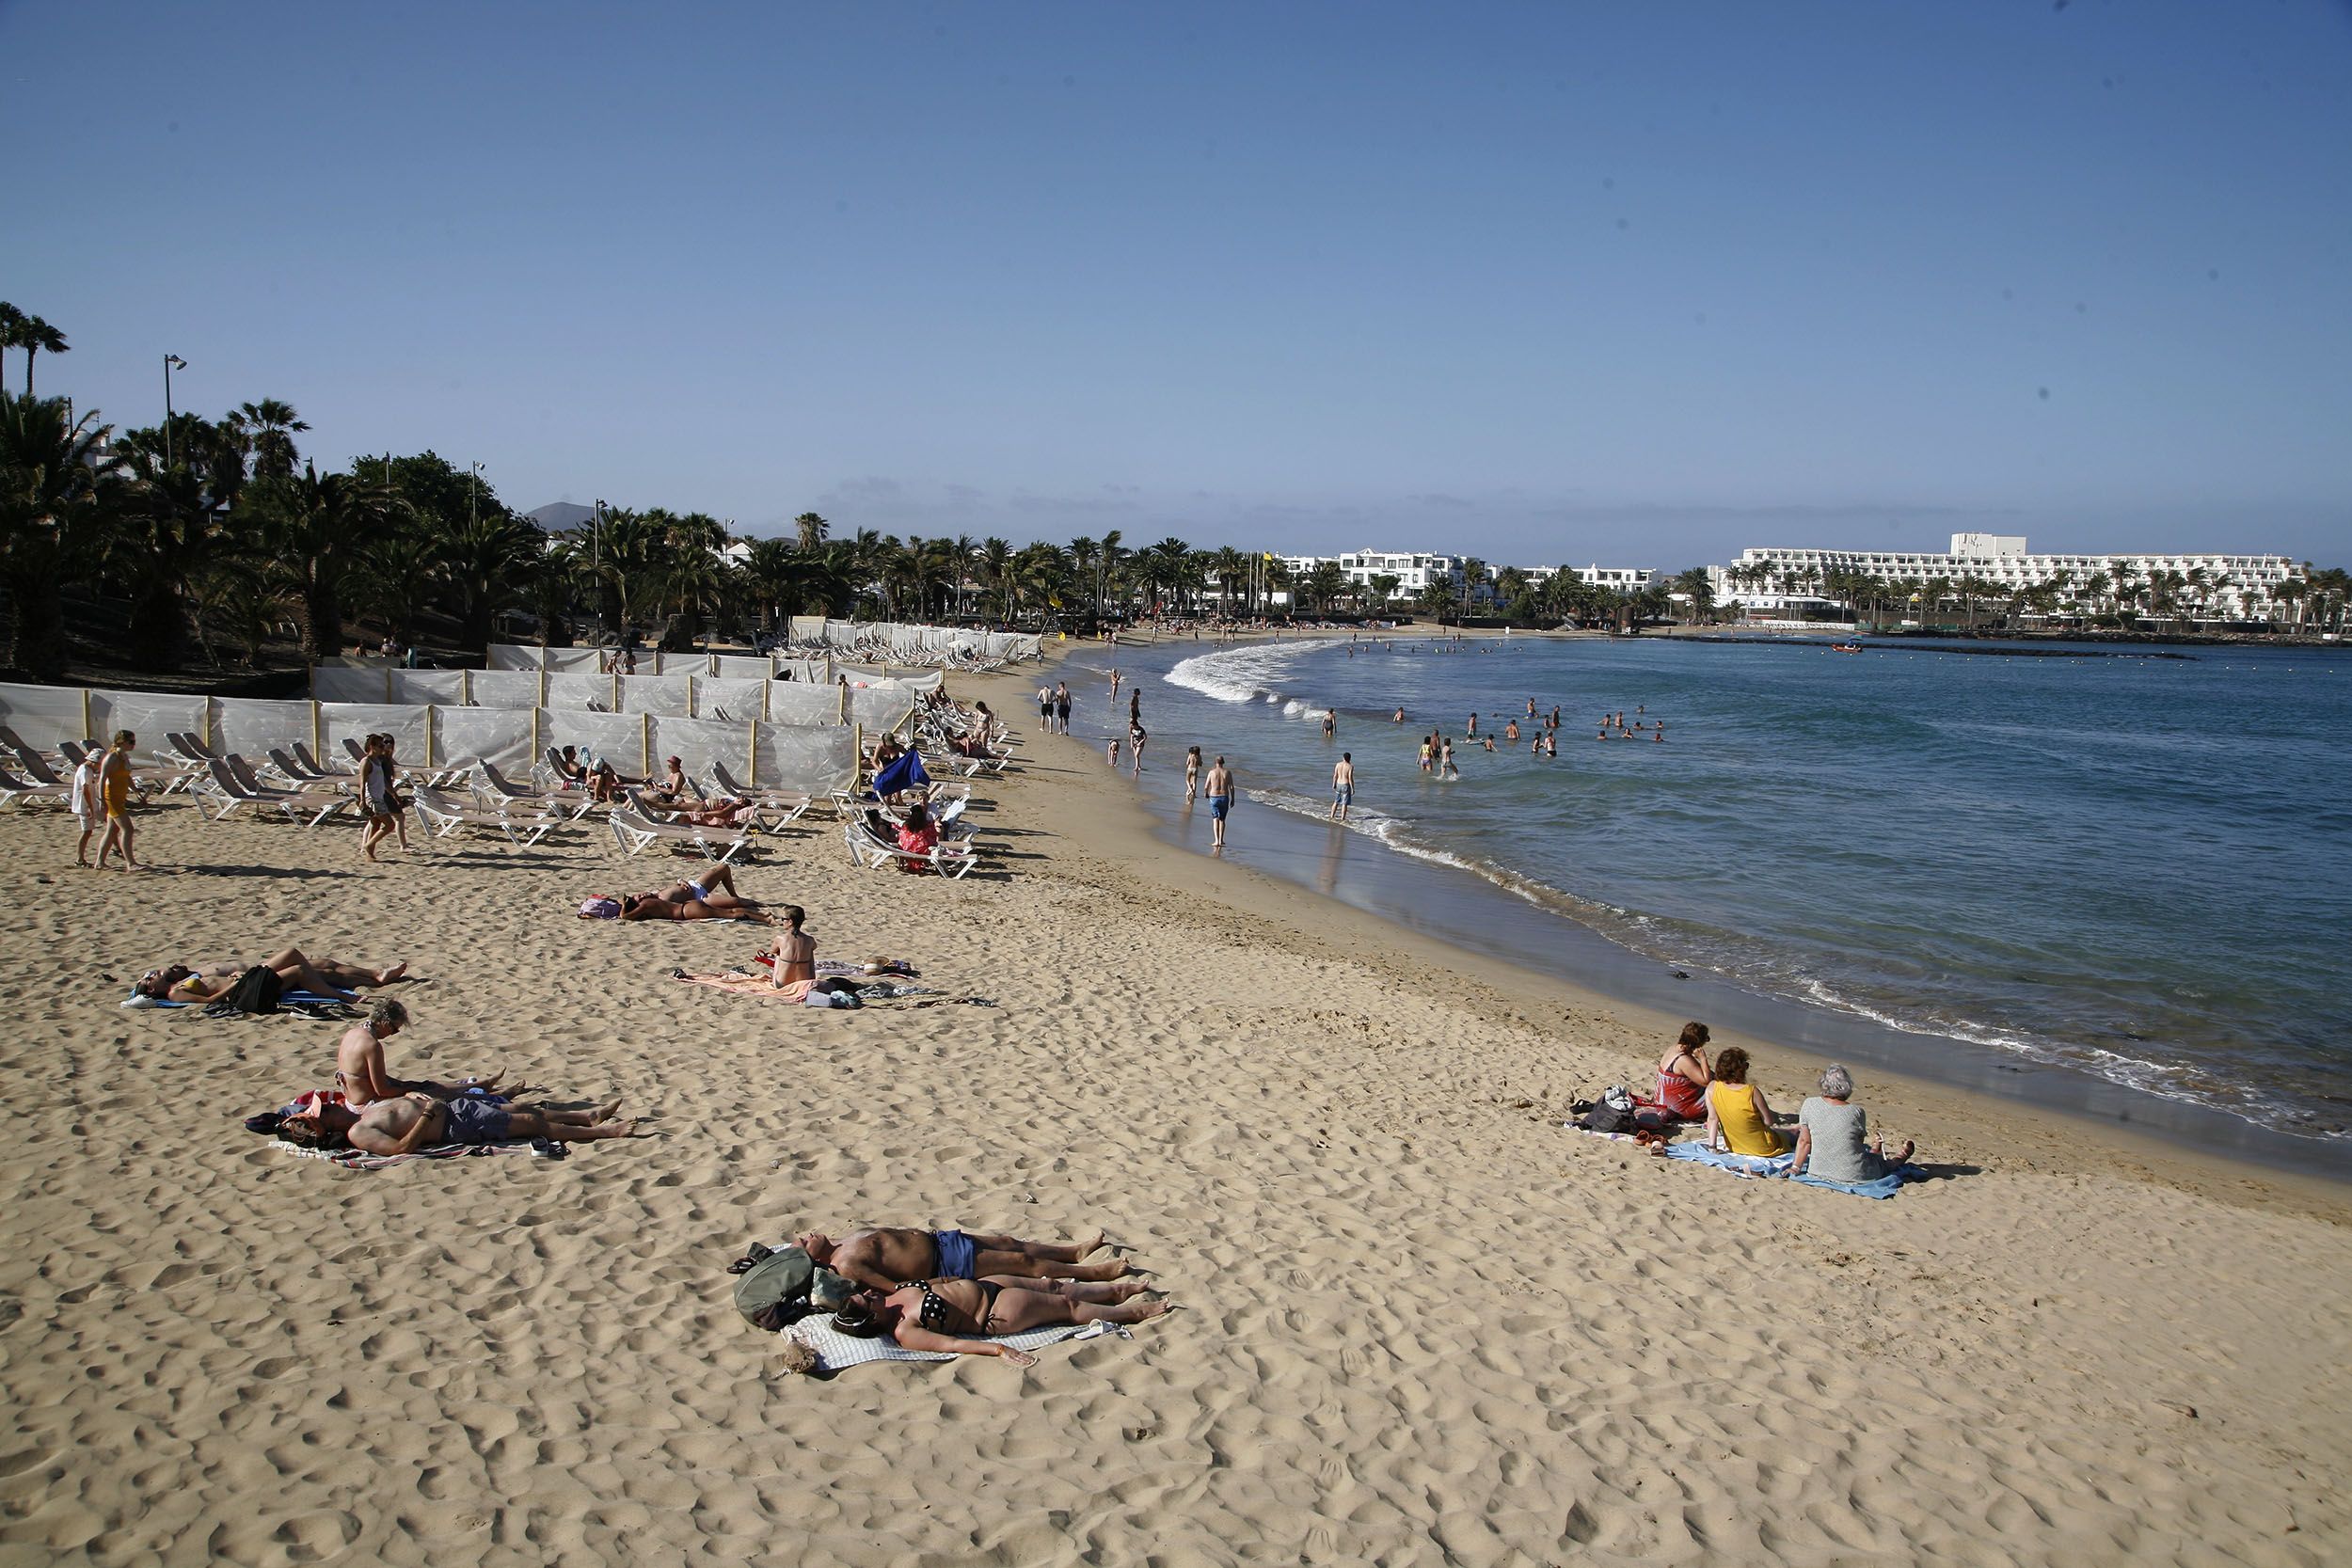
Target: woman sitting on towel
(1738,1115)
(1683,1075)
(1833,1136)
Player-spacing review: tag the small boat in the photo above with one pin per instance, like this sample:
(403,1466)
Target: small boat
(1845,647)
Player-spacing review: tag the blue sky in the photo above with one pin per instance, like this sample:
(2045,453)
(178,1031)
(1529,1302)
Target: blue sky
(1637,283)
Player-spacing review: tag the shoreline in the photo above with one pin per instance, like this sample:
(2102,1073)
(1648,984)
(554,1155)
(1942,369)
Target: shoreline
(1973,1082)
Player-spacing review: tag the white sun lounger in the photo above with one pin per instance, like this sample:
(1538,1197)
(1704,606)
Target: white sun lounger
(222,791)
(953,858)
(793,805)
(443,816)
(636,833)
(492,787)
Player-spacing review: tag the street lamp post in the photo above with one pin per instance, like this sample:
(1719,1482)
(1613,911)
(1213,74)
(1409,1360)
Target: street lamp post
(171,362)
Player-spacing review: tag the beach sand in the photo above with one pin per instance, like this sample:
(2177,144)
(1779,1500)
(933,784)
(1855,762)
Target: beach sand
(1419,1321)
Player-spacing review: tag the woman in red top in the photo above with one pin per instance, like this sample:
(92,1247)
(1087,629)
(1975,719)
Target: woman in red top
(917,836)
(1683,1076)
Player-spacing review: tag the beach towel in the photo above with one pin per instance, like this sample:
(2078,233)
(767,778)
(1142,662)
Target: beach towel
(740,984)
(352,1159)
(1755,1165)
(836,1350)
(288,1001)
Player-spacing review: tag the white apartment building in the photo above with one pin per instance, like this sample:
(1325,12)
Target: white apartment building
(1414,570)
(2234,586)
(1618,579)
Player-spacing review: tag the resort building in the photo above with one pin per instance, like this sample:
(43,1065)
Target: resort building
(1998,568)
(1617,579)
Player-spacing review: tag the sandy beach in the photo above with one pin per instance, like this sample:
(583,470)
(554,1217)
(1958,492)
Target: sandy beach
(1418,1321)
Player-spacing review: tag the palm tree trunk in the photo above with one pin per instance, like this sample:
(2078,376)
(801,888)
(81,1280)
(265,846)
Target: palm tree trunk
(37,625)
(159,628)
(322,620)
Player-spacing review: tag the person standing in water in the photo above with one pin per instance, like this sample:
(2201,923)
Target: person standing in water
(1342,785)
(1192,774)
(1445,754)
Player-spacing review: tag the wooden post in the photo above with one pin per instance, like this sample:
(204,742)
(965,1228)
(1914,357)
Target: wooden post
(318,728)
(86,734)
(389,698)
(644,745)
(542,685)
(691,710)
(767,689)
(465,688)
(617,692)
(857,763)
(428,734)
(535,737)
(841,704)
(751,763)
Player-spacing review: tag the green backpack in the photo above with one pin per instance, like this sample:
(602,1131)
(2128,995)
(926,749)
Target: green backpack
(774,1286)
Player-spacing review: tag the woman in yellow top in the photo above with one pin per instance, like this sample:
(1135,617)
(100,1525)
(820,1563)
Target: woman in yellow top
(1738,1115)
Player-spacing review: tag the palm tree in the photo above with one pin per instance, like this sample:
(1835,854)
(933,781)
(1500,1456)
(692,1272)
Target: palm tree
(59,485)
(317,528)
(34,336)
(962,549)
(811,530)
(268,430)
(1325,584)
(1384,586)
(172,533)
(394,578)
(487,563)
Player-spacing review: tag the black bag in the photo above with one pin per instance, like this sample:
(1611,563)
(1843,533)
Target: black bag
(779,1285)
(256,991)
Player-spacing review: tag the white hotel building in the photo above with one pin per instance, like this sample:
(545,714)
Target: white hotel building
(2247,583)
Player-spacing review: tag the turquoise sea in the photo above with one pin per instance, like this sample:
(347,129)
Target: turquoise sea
(2134,869)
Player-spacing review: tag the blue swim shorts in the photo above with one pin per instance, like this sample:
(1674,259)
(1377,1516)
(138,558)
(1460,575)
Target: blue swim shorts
(477,1121)
(1219,805)
(956,1254)
(1345,796)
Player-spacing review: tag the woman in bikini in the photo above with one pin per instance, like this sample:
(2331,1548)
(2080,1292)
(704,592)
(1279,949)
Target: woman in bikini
(959,1316)
(712,898)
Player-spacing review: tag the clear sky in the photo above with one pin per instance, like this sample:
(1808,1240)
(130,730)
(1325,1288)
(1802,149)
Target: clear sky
(1638,283)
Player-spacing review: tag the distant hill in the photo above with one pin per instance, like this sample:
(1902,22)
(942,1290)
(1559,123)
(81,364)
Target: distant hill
(561,516)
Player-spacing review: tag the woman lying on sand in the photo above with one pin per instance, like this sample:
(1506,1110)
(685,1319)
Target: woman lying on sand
(414,1121)
(180,982)
(956,1315)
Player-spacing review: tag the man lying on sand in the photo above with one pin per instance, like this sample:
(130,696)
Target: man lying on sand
(884,1259)
(364,1079)
(180,982)
(412,1121)
(953,1315)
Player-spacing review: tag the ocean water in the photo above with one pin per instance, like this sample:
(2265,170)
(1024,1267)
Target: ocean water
(2137,868)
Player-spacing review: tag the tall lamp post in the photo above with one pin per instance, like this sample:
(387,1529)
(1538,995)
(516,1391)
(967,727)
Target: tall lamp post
(596,560)
(171,362)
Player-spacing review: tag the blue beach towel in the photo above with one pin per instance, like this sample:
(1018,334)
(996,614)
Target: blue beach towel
(1778,1164)
(285,999)
(907,772)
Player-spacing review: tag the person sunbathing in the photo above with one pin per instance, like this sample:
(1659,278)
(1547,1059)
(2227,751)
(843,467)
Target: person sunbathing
(180,982)
(957,1315)
(886,1258)
(363,1076)
(712,898)
(672,786)
(410,1122)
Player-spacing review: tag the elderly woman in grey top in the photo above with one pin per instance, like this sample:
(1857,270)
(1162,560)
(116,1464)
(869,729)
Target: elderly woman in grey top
(1833,1141)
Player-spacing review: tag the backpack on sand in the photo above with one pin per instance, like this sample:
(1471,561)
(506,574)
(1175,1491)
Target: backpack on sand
(256,991)
(779,1285)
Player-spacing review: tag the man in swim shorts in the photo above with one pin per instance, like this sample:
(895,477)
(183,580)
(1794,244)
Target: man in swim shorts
(1220,791)
(1342,785)
(413,1121)
(886,1258)
(362,1074)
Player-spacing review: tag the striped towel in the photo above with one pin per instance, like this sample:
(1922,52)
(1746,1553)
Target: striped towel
(836,1350)
(352,1159)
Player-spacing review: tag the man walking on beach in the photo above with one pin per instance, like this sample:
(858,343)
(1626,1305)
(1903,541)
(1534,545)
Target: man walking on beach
(1219,785)
(1342,785)
(1062,707)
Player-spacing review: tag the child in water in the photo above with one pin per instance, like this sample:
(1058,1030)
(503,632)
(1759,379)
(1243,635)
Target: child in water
(1112,755)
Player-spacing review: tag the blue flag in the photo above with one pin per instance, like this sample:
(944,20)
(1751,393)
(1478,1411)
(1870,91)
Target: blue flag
(905,773)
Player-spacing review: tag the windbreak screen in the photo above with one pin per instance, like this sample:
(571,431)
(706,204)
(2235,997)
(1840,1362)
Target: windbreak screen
(813,761)
(354,683)
(879,709)
(501,736)
(354,722)
(735,701)
(738,667)
(149,715)
(789,703)
(249,726)
(505,688)
(43,715)
(656,695)
(580,692)
(617,737)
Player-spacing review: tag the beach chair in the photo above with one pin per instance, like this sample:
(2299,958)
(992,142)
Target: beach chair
(442,816)
(283,770)
(13,789)
(636,833)
(953,858)
(791,805)
(318,769)
(223,790)
(492,787)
